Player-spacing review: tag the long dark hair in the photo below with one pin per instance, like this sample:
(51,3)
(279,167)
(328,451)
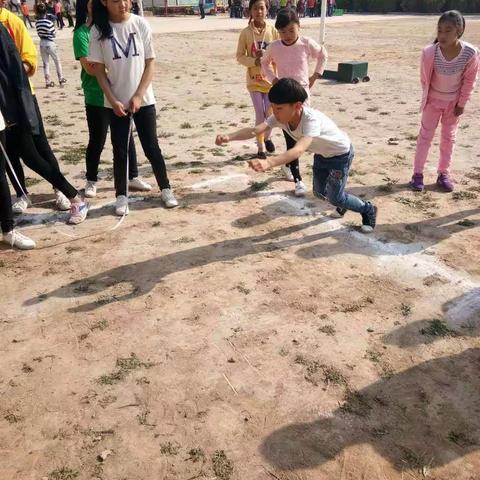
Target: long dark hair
(101,19)
(81,13)
(286,16)
(455,18)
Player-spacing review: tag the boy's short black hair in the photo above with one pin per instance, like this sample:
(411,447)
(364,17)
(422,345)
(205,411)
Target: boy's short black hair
(286,16)
(41,9)
(287,90)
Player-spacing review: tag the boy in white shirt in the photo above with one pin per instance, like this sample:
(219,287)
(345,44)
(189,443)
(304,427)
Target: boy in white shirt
(314,132)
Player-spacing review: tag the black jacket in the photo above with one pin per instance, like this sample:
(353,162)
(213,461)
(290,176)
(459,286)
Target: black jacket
(16,99)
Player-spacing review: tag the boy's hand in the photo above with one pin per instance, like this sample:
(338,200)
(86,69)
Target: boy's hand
(312,79)
(458,110)
(259,165)
(221,139)
(135,104)
(119,109)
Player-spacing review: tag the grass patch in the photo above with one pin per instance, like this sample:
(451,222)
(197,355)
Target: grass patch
(163,134)
(316,372)
(466,223)
(169,448)
(229,104)
(405,309)
(196,454)
(462,195)
(185,125)
(327,330)
(222,466)
(419,201)
(74,155)
(355,403)
(30,182)
(184,240)
(438,328)
(100,325)
(63,473)
(258,186)
(124,367)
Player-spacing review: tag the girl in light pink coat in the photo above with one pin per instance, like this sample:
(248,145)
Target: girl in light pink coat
(449,70)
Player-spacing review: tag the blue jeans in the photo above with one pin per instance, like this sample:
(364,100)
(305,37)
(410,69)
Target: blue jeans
(330,177)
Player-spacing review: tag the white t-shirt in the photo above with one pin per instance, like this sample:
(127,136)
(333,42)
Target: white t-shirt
(328,140)
(2,123)
(124,56)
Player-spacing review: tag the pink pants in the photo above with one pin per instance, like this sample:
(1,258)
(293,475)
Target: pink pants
(261,104)
(436,110)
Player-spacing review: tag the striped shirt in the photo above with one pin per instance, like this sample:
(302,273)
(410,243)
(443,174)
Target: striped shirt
(447,74)
(45,29)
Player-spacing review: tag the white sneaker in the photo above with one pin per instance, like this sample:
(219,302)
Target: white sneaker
(300,189)
(16,239)
(90,189)
(287,172)
(78,212)
(121,206)
(61,201)
(169,198)
(20,205)
(139,184)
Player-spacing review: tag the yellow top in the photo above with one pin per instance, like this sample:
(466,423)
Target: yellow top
(251,40)
(19,33)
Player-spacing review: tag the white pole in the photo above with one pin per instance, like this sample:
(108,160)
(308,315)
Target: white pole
(322,21)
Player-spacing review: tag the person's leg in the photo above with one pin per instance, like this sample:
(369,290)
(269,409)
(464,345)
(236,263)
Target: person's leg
(119,128)
(56,59)
(98,119)
(146,123)
(267,110)
(258,105)
(19,186)
(295,164)
(132,159)
(430,118)
(44,53)
(6,214)
(449,128)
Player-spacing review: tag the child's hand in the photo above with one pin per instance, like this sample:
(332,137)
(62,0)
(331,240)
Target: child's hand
(258,63)
(221,139)
(119,109)
(135,104)
(259,53)
(259,165)
(312,79)
(458,110)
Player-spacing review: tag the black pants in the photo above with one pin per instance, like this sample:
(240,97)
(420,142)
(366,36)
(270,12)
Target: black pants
(202,11)
(98,120)
(26,18)
(60,23)
(43,148)
(146,122)
(6,215)
(295,164)
(70,19)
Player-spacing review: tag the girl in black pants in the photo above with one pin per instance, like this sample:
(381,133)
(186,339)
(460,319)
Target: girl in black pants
(121,44)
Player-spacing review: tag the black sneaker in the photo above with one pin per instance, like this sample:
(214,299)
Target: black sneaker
(341,211)
(369,219)
(269,146)
(261,155)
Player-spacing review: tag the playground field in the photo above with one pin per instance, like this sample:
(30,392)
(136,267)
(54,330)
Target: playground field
(247,334)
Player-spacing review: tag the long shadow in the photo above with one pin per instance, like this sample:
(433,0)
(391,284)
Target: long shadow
(426,415)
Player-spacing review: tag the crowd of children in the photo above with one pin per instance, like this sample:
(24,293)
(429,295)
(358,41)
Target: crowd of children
(117,59)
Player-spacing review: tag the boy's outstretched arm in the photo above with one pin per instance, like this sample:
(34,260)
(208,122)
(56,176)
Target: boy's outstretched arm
(300,147)
(243,134)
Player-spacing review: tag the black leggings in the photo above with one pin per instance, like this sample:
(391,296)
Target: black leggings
(6,215)
(146,122)
(24,145)
(294,164)
(42,147)
(98,120)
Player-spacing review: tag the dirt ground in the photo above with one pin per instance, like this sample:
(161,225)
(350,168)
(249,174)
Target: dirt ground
(247,334)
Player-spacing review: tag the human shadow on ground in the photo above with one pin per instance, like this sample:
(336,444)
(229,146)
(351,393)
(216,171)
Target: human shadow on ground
(427,415)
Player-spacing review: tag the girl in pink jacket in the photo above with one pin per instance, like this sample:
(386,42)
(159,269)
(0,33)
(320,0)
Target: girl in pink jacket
(449,70)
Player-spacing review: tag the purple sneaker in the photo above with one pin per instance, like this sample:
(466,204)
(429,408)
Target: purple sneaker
(416,183)
(444,182)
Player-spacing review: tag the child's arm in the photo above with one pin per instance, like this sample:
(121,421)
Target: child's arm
(320,53)
(468,83)
(267,68)
(101,74)
(243,134)
(89,67)
(300,147)
(147,77)
(242,54)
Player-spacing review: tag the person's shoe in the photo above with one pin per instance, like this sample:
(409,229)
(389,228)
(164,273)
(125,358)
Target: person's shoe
(121,206)
(269,146)
(300,189)
(339,212)
(18,240)
(62,81)
(369,219)
(61,201)
(169,198)
(78,212)
(139,184)
(90,189)
(50,84)
(416,183)
(20,205)
(287,172)
(445,183)
(261,155)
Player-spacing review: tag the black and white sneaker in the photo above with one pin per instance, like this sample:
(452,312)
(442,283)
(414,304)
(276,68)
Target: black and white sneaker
(341,211)
(369,218)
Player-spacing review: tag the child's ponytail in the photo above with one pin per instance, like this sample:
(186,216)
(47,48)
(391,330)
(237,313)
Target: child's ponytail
(101,19)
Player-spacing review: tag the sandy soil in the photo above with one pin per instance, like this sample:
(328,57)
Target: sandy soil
(248,335)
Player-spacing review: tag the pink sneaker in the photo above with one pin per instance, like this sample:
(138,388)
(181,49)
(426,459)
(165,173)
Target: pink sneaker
(78,213)
(444,182)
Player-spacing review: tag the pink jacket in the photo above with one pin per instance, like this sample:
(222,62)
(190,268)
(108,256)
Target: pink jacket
(469,77)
